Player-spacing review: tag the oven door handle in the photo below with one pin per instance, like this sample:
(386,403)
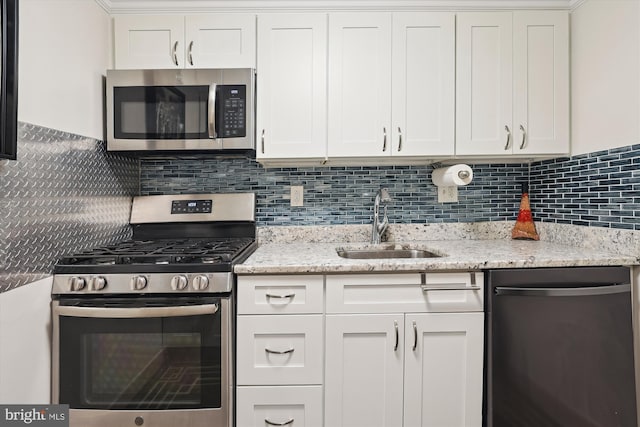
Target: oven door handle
(136,312)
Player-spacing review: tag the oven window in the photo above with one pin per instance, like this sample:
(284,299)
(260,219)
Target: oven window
(141,363)
(161,112)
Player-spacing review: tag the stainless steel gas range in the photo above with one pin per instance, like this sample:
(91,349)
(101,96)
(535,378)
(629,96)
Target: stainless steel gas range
(143,330)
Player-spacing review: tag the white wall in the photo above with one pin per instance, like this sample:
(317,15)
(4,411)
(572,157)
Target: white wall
(605,74)
(63,55)
(25,349)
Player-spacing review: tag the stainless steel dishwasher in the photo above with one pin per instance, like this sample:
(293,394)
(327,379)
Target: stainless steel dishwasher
(560,348)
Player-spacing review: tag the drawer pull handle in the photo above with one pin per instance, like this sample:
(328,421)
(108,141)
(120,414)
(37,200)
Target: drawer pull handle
(415,336)
(450,288)
(291,350)
(280,296)
(284,423)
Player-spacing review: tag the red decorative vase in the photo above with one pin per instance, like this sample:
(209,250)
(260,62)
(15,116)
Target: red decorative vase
(525,229)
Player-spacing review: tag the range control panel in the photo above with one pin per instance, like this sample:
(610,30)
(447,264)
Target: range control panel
(191,206)
(232,111)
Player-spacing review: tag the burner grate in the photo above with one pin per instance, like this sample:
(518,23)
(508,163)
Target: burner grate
(163,252)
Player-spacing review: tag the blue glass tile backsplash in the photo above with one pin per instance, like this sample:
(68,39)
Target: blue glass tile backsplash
(599,189)
(341,195)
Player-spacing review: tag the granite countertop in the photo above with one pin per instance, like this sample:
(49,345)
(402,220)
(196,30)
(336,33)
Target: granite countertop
(459,254)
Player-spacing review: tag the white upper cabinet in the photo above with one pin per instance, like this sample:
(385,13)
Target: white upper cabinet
(391,84)
(423,86)
(541,82)
(512,83)
(359,84)
(292,82)
(484,83)
(220,41)
(148,41)
(178,41)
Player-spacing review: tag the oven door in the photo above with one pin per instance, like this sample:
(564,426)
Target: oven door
(134,361)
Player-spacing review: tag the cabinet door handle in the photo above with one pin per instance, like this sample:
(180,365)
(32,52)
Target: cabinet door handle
(284,423)
(384,139)
(262,141)
(395,325)
(506,147)
(175,53)
(288,351)
(189,53)
(399,139)
(524,137)
(415,336)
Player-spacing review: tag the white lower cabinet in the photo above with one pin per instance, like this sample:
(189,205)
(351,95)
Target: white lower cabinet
(280,351)
(392,350)
(421,365)
(279,406)
(443,369)
(404,370)
(364,370)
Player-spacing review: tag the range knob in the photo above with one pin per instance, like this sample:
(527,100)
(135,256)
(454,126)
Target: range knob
(97,283)
(200,282)
(76,283)
(138,283)
(179,283)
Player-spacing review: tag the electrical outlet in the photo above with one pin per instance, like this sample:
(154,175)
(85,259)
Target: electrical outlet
(448,194)
(297,195)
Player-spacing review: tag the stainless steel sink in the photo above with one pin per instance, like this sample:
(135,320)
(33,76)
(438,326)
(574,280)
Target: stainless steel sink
(382,253)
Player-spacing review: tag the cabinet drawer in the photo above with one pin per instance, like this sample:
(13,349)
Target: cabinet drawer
(291,406)
(280,294)
(392,293)
(279,350)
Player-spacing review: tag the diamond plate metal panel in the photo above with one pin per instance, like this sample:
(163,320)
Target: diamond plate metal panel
(64,194)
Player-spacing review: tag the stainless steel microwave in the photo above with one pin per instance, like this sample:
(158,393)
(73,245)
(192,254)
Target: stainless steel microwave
(188,111)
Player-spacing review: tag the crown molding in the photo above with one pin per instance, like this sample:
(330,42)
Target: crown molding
(188,6)
(574,4)
(105,4)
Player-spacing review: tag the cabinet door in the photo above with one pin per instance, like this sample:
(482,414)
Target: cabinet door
(220,41)
(279,406)
(359,84)
(363,375)
(292,82)
(423,84)
(443,369)
(484,84)
(151,41)
(541,82)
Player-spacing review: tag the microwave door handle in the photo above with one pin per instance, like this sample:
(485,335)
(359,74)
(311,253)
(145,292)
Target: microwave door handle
(212,111)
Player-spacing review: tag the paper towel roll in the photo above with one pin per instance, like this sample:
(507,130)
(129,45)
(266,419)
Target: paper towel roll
(452,176)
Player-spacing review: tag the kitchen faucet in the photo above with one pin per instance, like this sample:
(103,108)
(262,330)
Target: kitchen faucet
(378,228)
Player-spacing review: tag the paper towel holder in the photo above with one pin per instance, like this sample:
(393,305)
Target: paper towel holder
(448,178)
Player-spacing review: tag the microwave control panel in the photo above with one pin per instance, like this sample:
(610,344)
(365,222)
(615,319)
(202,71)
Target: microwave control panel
(232,111)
